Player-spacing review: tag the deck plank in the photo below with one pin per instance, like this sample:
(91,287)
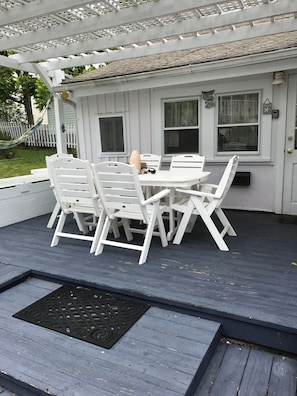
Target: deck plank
(261,373)
(227,379)
(255,380)
(283,376)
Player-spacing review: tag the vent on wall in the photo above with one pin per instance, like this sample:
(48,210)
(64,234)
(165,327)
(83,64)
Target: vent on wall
(242,179)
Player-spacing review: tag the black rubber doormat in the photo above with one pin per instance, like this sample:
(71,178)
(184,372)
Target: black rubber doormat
(88,314)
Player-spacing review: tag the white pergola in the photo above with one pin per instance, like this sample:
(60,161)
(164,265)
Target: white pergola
(47,36)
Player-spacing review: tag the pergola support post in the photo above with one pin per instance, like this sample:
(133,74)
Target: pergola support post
(61,143)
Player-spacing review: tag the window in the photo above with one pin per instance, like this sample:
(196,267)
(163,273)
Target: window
(181,127)
(238,122)
(111,134)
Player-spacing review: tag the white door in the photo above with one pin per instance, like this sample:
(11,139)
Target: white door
(290,169)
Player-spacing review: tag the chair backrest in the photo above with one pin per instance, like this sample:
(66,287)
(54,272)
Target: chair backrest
(227,178)
(54,156)
(187,161)
(119,188)
(151,160)
(74,185)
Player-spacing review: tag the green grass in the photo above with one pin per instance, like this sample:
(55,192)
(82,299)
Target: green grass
(23,161)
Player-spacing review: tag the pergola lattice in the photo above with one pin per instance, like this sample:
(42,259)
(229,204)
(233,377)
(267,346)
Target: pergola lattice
(50,35)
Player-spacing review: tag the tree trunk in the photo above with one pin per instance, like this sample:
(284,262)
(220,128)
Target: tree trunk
(28,108)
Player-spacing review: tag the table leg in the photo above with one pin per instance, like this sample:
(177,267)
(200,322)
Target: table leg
(171,231)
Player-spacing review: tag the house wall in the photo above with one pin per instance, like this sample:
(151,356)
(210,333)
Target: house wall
(142,110)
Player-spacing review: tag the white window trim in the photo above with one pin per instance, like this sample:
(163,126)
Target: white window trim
(179,99)
(244,152)
(208,117)
(113,153)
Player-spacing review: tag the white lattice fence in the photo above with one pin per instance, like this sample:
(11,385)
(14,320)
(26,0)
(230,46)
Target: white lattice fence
(44,136)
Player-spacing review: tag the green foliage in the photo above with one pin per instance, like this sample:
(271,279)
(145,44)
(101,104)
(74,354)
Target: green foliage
(76,71)
(17,88)
(42,94)
(7,153)
(25,83)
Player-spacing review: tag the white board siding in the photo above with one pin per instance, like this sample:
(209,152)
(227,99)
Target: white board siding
(259,195)
(135,106)
(142,110)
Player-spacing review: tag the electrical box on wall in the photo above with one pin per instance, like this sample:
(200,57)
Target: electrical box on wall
(275,114)
(242,179)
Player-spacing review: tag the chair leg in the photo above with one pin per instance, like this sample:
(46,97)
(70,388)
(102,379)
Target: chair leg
(191,223)
(128,233)
(97,233)
(206,217)
(225,222)
(58,229)
(148,235)
(183,223)
(162,231)
(79,218)
(54,215)
(115,228)
(103,236)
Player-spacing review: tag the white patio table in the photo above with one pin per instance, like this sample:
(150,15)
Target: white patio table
(172,179)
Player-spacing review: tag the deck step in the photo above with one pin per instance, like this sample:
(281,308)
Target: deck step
(164,353)
(11,275)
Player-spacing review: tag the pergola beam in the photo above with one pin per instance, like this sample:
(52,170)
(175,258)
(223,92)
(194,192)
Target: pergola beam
(37,9)
(169,30)
(14,64)
(101,22)
(176,45)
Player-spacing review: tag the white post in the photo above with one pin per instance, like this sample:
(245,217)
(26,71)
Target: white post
(60,133)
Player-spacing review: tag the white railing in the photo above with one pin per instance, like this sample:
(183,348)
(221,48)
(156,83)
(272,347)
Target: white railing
(44,136)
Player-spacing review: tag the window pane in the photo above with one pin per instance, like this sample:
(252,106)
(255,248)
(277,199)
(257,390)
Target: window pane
(181,114)
(238,138)
(111,134)
(181,141)
(236,109)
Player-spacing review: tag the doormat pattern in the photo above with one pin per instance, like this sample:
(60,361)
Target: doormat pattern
(88,314)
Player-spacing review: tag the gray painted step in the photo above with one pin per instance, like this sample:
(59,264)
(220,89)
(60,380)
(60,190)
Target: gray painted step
(164,353)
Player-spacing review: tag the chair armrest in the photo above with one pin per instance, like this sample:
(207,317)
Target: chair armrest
(161,194)
(197,193)
(207,186)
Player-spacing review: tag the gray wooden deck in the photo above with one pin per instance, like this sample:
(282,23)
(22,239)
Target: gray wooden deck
(250,290)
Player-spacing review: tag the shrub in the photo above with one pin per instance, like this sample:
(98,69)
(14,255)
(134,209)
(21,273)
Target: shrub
(6,153)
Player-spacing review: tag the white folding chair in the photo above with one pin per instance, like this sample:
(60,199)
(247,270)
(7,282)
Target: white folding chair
(76,194)
(57,208)
(205,202)
(151,160)
(122,198)
(183,161)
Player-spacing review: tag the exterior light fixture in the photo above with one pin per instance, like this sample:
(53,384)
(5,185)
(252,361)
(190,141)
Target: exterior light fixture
(66,95)
(278,78)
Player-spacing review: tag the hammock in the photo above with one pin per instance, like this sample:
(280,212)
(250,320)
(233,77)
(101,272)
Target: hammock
(7,144)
